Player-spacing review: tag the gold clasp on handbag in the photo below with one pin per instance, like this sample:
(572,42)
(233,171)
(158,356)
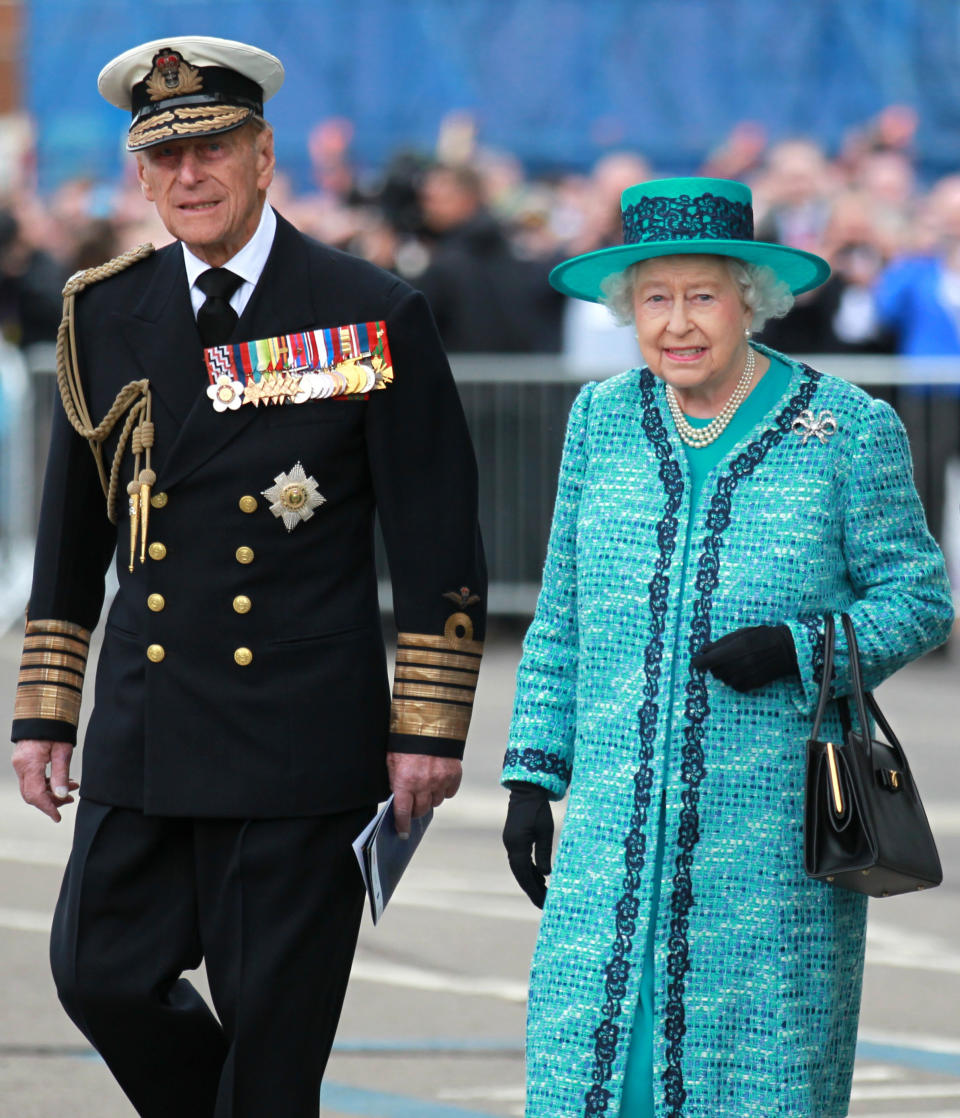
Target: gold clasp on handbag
(834,777)
(891,779)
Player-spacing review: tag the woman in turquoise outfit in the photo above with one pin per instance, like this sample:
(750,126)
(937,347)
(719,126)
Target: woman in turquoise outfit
(712,506)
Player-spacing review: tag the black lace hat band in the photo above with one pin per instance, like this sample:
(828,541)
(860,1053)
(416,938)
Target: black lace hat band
(707,216)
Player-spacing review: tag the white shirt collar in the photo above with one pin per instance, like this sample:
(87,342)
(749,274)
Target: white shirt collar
(248,263)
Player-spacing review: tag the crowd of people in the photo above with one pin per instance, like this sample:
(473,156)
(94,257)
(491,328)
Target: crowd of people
(478,234)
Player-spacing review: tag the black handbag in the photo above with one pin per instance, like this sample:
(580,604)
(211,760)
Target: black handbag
(864,825)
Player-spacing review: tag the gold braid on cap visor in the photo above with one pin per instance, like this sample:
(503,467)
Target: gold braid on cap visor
(186,121)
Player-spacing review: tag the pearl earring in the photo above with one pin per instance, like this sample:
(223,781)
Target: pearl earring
(747,332)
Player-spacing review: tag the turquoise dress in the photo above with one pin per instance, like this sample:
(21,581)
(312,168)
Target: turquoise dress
(638,1094)
(679,869)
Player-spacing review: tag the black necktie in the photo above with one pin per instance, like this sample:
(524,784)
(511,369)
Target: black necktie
(216,318)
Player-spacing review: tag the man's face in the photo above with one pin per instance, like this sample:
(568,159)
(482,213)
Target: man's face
(209,191)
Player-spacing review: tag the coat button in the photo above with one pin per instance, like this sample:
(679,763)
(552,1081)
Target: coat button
(159,500)
(156,602)
(248,504)
(157,550)
(242,604)
(155,653)
(243,657)
(244,554)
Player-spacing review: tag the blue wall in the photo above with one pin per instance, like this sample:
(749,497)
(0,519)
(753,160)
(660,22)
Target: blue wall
(558,81)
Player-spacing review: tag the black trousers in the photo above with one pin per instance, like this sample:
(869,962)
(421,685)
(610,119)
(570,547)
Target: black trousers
(273,906)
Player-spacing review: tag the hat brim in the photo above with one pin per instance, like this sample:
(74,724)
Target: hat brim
(582,276)
(186,122)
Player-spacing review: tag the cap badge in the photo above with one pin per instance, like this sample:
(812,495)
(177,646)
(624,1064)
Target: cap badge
(293,496)
(171,76)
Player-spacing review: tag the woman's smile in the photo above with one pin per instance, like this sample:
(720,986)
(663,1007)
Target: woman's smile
(688,353)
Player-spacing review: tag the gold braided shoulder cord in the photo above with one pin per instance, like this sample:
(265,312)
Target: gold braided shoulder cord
(133,400)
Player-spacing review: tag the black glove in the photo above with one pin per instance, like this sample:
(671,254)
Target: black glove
(529,824)
(748,658)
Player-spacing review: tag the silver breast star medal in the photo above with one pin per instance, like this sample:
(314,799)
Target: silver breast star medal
(293,496)
(810,426)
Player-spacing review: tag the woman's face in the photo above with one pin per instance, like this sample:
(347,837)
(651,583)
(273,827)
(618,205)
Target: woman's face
(690,322)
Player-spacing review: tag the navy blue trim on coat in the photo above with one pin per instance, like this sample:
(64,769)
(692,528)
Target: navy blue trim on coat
(696,711)
(607,1035)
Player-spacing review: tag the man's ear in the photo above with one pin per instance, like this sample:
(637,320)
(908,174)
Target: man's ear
(266,159)
(142,179)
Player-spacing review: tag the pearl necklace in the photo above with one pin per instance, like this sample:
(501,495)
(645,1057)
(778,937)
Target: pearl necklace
(704,436)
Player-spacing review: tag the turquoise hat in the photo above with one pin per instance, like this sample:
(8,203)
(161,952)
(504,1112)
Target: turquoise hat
(671,217)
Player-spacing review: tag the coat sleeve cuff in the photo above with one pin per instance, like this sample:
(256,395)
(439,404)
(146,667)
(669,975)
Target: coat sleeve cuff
(548,769)
(423,743)
(433,689)
(50,684)
(807,636)
(43,729)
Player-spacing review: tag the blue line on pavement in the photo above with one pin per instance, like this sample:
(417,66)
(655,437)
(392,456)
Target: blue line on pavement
(378,1104)
(430,1044)
(945,1063)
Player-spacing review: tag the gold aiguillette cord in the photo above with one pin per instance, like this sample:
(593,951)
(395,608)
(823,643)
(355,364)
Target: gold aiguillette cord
(132,404)
(143,479)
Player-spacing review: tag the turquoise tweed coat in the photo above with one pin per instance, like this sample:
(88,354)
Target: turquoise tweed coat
(758,969)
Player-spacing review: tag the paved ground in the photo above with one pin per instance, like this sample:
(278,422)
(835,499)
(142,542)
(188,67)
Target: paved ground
(433,1023)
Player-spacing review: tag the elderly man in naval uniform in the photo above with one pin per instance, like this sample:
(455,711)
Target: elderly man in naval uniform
(237,408)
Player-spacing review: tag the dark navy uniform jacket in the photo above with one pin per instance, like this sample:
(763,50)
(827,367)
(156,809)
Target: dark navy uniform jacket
(304,726)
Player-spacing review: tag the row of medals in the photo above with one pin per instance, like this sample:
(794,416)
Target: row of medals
(347,379)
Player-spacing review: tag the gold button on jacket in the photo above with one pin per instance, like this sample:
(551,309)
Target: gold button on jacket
(155,653)
(248,503)
(156,602)
(242,604)
(159,500)
(243,657)
(157,550)
(244,554)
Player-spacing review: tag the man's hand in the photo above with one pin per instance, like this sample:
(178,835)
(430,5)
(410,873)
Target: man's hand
(420,782)
(46,791)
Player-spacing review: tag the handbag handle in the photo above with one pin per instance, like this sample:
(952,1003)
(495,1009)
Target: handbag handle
(829,640)
(865,699)
(856,676)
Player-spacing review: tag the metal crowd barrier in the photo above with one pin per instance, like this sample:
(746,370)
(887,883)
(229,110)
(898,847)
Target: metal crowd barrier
(517,408)
(17,490)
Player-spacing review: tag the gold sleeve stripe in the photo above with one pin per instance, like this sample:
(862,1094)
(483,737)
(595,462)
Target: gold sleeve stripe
(62,704)
(56,644)
(64,628)
(436,675)
(434,682)
(440,659)
(432,720)
(447,644)
(56,660)
(50,675)
(52,667)
(433,691)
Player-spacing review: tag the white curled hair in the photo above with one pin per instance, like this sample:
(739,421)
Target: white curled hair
(761,290)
